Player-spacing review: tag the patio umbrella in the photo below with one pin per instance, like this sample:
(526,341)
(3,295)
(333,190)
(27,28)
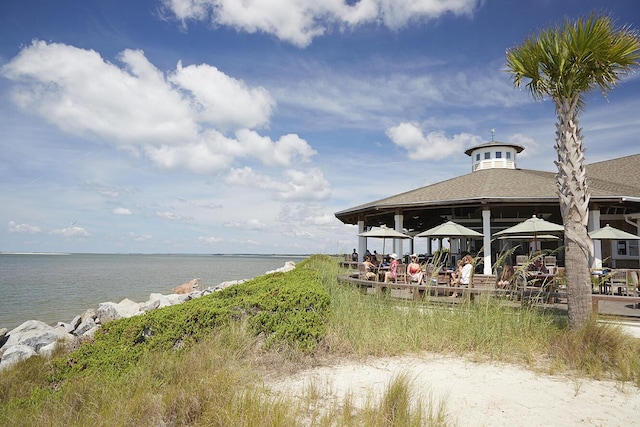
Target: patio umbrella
(384,233)
(533,226)
(610,233)
(529,237)
(449,229)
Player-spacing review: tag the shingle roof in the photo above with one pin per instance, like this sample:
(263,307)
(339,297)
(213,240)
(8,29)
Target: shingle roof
(609,179)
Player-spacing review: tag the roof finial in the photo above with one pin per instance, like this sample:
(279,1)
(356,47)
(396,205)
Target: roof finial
(493,133)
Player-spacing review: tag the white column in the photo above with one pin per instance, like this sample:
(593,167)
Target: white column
(486,240)
(594,224)
(398,220)
(362,241)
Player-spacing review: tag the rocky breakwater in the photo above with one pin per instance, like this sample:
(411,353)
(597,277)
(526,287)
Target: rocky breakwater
(33,337)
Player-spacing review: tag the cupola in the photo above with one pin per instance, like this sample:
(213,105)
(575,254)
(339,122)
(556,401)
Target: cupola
(493,155)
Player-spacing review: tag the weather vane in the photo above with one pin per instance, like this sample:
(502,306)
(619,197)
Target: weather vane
(493,133)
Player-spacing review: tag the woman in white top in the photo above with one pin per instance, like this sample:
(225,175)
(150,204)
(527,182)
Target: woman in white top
(465,275)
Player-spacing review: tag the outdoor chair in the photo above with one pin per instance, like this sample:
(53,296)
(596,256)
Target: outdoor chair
(618,282)
(550,264)
(401,273)
(521,260)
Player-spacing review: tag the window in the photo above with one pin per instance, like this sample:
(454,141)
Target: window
(633,248)
(487,156)
(508,154)
(478,157)
(498,154)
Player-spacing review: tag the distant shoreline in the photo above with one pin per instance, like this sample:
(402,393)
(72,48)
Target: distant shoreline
(163,254)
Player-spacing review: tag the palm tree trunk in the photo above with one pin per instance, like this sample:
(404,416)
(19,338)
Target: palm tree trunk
(574,198)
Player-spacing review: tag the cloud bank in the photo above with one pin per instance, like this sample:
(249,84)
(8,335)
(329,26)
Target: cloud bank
(195,117)
(300,21)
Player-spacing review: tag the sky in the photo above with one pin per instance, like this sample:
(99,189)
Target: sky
(229,126)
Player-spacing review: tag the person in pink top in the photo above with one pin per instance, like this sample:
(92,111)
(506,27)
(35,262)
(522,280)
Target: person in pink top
(415,270)
(391,274)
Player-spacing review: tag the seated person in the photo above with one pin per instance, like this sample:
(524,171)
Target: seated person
(370,267)
(391,274)
(504,280)
(465,274)
(455,276)
(415,270)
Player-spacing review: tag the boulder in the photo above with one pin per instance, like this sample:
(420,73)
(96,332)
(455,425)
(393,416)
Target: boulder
(187,287)
(149,305)
(35,334)
(107,312)
(84,327)
(288,266)
(90,313)
(15,354)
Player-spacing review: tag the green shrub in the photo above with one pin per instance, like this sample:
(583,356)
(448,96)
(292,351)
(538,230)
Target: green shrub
(287,308)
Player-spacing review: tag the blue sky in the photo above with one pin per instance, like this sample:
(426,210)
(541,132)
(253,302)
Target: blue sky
(228,126)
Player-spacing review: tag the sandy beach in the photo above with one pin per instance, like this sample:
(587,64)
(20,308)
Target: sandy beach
(480,394)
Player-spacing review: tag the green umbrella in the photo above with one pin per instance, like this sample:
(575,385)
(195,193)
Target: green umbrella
(610,233)
(449,229)
(533,226)
(384,233)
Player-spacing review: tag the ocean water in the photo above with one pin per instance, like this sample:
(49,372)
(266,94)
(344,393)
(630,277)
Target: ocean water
(57,287)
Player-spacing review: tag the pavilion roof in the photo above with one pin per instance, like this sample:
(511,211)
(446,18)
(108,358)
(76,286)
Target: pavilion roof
(608,180)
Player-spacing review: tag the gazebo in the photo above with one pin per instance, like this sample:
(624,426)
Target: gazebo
(496,195)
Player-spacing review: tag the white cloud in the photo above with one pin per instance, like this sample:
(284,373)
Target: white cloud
(176,120)
(432,145)
(71,232)
(252,224)
(140,237)
(168,215)
(121,211)
(287,150)
(22,228)
(299,21)
(209,240)
(222,100)
(298,185)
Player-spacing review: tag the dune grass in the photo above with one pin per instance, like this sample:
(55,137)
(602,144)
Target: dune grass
(219,378)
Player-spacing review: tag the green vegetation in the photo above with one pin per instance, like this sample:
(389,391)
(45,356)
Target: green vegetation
(205,362)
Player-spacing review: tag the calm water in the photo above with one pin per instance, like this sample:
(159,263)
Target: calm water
(54,288)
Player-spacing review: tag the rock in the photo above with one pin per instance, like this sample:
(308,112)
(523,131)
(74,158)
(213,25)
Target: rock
(15,354)
(84,327)
(288,266)
(35,334)
(34,337)
(185,288)
(90,313)
(149,305)
(91,332)
(107,312)
(128,308)
(75,322)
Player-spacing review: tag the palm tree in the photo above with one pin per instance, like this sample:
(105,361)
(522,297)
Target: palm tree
(564,63)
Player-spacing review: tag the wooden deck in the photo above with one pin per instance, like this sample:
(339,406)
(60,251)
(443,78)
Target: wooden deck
(485,285)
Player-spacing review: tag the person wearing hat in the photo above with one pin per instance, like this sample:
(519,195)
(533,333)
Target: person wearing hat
(391,274)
